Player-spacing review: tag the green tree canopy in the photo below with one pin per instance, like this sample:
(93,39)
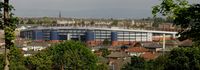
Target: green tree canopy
(137,63)
(70,55)
(30,21)
(106,42)
(92,23)
(177,59)
(16,59)
(114,23)
(184,58)
(2,61)
(104,51)
(184,14)
(39,61)
(73,55)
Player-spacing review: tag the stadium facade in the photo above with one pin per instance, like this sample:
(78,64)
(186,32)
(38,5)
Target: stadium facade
(94,36)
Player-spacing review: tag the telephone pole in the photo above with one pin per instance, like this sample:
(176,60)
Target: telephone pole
(164,41)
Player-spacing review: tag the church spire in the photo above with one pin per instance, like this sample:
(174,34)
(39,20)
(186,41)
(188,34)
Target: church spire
(60,15)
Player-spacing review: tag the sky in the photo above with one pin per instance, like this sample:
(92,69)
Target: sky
(85,8)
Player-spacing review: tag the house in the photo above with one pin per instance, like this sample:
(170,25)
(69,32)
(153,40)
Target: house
(143,52)
(33,47)
(185,43)
(166,26)
(152,46)
(135,44)
(118,59)
(136,51)
(149,55)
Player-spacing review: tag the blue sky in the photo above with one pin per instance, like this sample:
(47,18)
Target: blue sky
(85,8)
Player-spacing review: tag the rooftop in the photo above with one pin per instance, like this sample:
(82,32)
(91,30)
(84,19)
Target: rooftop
(152,45)
(137,49)
(102,28)
(185,43)
(149,55)
(118,55)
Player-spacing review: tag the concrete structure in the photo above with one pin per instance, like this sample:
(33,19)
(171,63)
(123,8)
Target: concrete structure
(94,36)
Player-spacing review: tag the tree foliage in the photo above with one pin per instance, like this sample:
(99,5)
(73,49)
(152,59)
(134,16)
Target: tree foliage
(39,61)
(190,21)
(9,23)
(170,8)
(2,61)
(114,23)
(30,22)
(137,63)
(68,55)
(92,23)
(184,14)
(106,42)
(177,59)
(102,67)
(184,59)
(104,51)
(16,59)
(73,55)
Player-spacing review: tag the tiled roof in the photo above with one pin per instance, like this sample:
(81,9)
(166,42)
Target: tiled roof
(185,43)
(135,44)
(152,45)
(149,55)
(118,54)
(137,49)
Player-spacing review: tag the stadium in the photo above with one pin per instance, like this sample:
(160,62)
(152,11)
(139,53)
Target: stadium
(95,36)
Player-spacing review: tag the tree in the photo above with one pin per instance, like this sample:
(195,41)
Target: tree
(92,23)
(184,15)
(160,63)
(8,23)
(178,59)
(16,59)
(69,55)
(30,21)
(127,24)
(114,23)
(184,58)
(170,8)
(190,21)
(73,55)
(39,61)
(2,61)
(157,21)
(137,63)
(66,55)
(104,51)
(102,67)
(106,42)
